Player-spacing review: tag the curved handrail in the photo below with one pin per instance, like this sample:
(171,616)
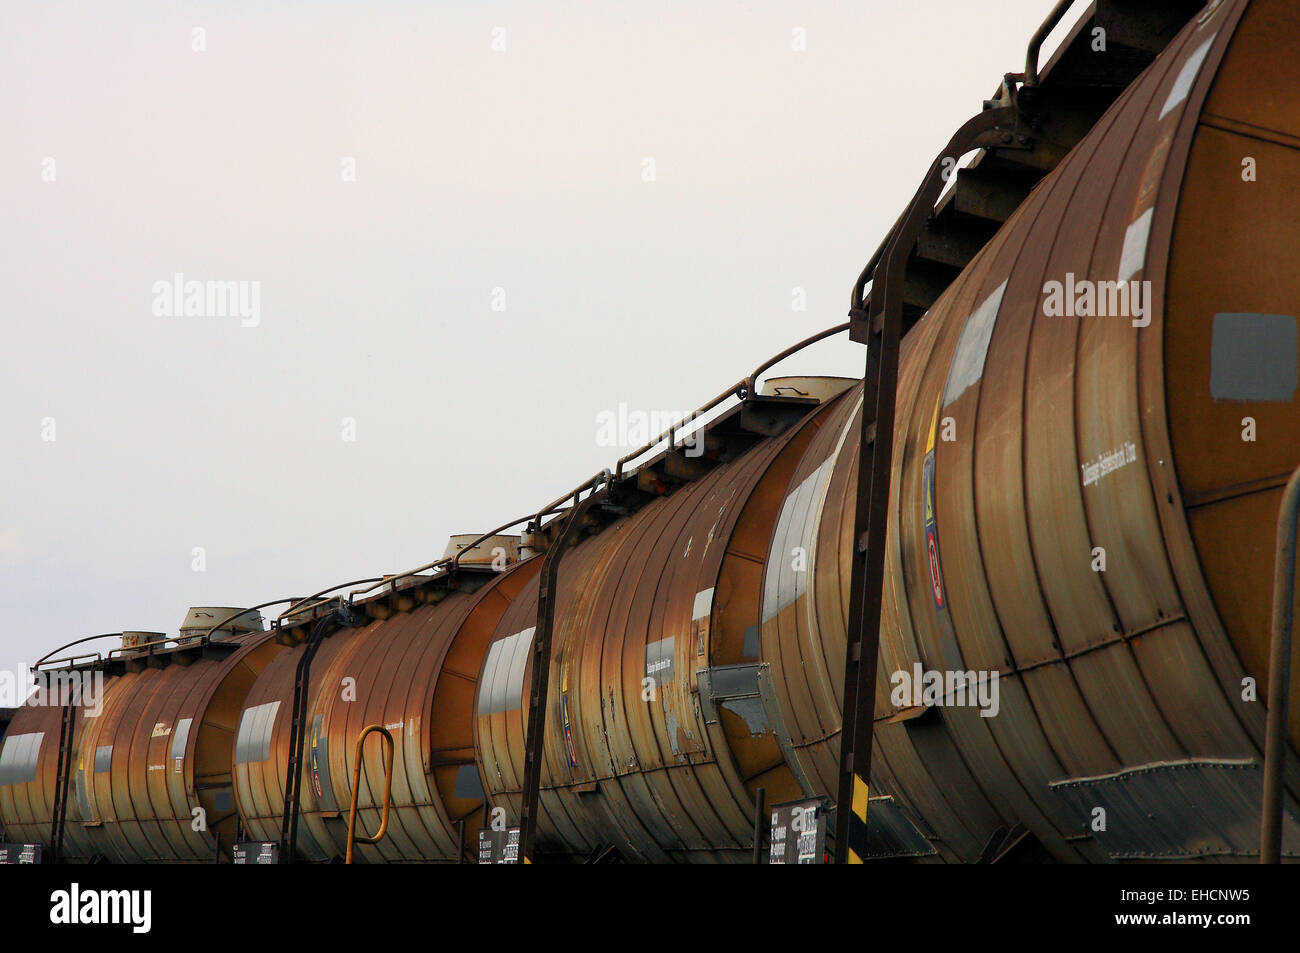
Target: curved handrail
(71,660)
(735,390)
(1040,36)
(742,389)
(356,789)
(90,638)
(297,605)
(792,349)
(455,560)
(150,645)
(206,637)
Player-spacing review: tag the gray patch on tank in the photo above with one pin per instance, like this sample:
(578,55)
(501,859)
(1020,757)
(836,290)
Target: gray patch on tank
(1254,357)
(750,709)
(468,784)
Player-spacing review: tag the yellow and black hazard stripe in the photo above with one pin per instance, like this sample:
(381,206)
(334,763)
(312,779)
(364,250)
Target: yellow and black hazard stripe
(857,825)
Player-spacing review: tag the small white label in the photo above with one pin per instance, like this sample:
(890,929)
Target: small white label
(703,604)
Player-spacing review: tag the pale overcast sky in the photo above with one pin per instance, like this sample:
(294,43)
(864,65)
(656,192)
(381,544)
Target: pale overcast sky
(130,156)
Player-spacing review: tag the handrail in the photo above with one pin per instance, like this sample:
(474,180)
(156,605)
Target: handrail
(455,560)
(391,580)
(207,636)
(735,390)
(603,478)
(880,327)
(71,659)
(1279,672)
(1030,78)
(356,788)
(112,653)
(90,638)
(858,296)
(819,336)
(742,389)
(297,605)
(1040,37)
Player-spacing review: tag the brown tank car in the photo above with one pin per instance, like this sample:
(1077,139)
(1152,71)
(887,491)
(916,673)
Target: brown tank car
(1094,422)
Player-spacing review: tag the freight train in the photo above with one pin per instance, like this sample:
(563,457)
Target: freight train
(1095,419)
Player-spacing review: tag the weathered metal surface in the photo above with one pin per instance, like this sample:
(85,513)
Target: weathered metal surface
(413,673)
(1024,447)
(891,834)
(153,761)
(1231,255)
(700,641)
(631,757)
(27,772)
(1181,810)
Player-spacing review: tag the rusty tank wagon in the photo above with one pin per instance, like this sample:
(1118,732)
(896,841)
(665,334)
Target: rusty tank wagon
(1093,423)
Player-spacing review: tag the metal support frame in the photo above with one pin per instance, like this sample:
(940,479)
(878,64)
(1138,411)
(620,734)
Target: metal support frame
(67,724)
(546,595)
(760,823)
(1279,673)
(877,321)
(297,735)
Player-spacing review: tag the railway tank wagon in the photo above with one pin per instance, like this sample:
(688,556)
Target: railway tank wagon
(1084,502)
(1096,416)
(656,739)
(412,667)
(150,759)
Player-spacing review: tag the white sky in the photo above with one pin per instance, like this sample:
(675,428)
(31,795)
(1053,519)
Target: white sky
(475,170)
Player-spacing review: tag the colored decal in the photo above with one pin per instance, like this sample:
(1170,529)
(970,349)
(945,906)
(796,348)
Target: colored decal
(931,527)
(564,715)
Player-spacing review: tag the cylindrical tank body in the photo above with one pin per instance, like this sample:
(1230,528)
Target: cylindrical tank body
(149,775)
(29,753)
(1084,494)
(656,738)
(412,671)
(1094,425)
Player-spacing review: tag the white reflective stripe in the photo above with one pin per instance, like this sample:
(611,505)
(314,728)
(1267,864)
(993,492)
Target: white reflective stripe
(703,604)
(973,347)
(489,673)
(502,685)
(779,591)
(180,736)
(253,741)
(782,583)
(1187,76)
(18,757)
(514,693)
(1133,258)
